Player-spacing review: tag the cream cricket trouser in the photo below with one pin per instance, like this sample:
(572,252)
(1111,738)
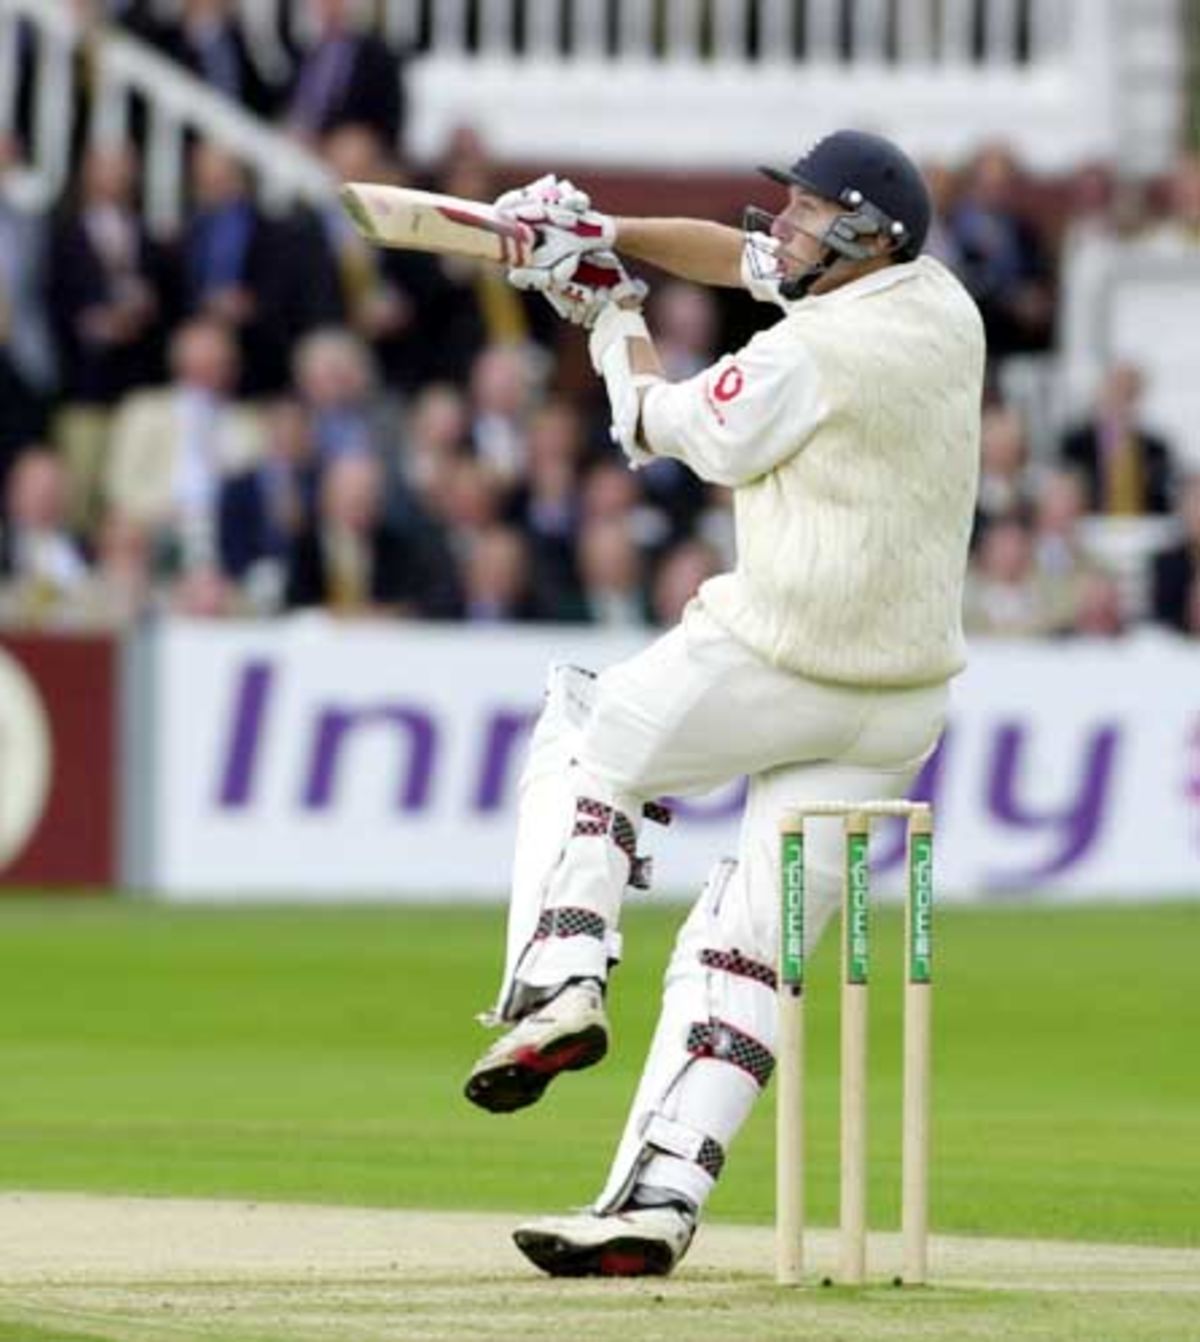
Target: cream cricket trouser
(692,711)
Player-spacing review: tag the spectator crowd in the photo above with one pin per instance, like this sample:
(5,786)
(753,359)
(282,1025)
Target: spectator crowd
(262,414)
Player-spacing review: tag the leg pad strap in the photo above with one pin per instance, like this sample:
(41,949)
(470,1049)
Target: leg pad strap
(679,1139)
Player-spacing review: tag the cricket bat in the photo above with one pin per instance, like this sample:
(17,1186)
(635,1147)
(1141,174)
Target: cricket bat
(424,221)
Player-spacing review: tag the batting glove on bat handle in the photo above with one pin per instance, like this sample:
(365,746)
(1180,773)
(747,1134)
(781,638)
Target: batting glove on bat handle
(547,190)
(598,280)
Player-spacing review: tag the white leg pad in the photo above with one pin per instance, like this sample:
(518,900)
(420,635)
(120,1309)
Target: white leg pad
(557,867)
(691,1100)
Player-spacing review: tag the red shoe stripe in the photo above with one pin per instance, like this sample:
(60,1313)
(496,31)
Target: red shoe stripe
(557,1061)
(614,1263)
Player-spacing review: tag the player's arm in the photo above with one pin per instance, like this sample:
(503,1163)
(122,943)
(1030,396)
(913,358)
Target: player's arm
(739,419)
(566,227)
(691,249)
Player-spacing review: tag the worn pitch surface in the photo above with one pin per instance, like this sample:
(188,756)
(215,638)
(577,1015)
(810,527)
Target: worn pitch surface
(134,1269)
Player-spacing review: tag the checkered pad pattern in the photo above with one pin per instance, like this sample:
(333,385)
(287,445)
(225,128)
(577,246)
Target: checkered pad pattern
(711,1158)
(718,1039)
(657,813)
(569,922)
(734,962)
(594,819)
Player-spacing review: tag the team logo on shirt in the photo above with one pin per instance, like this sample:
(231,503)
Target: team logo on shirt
(720,392)
(729,384)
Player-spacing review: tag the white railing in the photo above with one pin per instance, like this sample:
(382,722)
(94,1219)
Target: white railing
(724,84)
(687,84)
(175,103)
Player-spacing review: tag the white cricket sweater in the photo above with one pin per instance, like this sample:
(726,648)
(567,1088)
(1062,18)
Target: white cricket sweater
(849,432)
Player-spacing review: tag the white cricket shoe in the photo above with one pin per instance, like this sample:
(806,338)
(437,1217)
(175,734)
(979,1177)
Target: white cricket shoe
(565,1034)
(637,1242)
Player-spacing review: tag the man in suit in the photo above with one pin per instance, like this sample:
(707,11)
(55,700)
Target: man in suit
(1127,469)
(349,559)
(208,41)
(263,508)
(271,280)
(345,76)
(172,447)
(111,297)
(108,284)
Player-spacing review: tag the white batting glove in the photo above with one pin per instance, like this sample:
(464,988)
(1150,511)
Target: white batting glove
(597,280)
(547,189)
(566,228)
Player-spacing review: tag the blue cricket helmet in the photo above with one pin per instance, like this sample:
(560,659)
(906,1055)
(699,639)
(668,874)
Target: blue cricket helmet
(877,182)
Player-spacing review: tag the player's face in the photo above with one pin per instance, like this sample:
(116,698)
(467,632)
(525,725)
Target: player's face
(799,230)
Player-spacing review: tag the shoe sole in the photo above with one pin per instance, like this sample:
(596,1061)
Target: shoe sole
(523,1079)
(622,1256)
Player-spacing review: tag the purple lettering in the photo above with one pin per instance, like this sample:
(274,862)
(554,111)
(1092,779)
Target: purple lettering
(1076,824)
(335,724)
(250,702)
(506,732)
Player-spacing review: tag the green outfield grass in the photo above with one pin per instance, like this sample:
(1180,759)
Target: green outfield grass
(319,1055)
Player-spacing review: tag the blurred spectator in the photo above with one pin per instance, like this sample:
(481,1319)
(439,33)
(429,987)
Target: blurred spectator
(502,397)
(336,378)
(349,559)
(204,593)
(1177,571)
(547,506)
(468,501)
(1062,566)
(684,319)
(207,40)
(476,304)
(261,509)
(120,590)
(496,576)
(172,447)
(436,438)
(345,75)
(612,490)
(678,579)
(107,283)
(1127,469)
(1097,209)
(393,298)
(109,295)
(1060,504)
(1004,483)
(1098,611)
(41,561)
(1002,261)
(27,360)
(611,575)
(1004,595)
(1180,229)
(271,280)
(940,241)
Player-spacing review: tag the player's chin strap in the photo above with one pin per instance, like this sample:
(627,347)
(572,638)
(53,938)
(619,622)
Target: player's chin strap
(846,239)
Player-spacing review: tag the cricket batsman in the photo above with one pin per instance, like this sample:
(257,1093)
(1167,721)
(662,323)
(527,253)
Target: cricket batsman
(849,434)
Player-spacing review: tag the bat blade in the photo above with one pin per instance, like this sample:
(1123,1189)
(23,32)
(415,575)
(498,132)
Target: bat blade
(425,221)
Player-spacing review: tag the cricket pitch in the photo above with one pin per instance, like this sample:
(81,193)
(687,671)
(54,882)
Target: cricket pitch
(172,1270)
